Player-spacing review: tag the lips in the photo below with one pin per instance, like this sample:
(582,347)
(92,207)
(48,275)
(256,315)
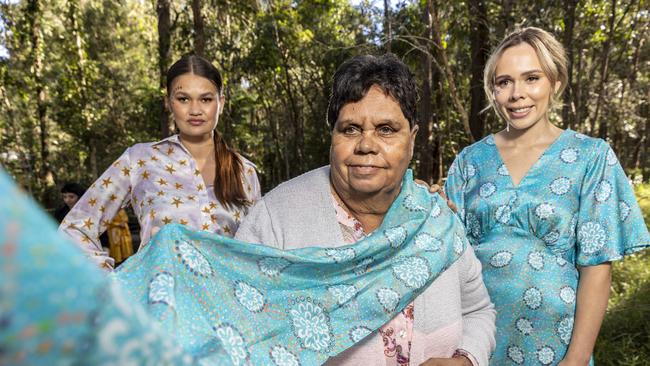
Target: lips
(195,122)
(519,112)
(364,169)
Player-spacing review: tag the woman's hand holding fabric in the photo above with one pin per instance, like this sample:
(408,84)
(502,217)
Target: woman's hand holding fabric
(456,361)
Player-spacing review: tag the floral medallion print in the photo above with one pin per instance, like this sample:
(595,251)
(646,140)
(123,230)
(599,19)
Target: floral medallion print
(283,357)
(579,136)
(470,170)
(611,158)
(311,324)
(363,266)
(272,266)
(411,205)
(412,271)
(435,210)
(489,140)
(565,329)
(193,259)
(569,155)
(388,299)
(568,295)
(487,189)
(533,298)
(603,191)
(536,260)
(503,170)
(342,293)
(551,238)
(459,244)
(500,259)
(341,255)
(396,236)
(623,210)
(249,297)
(427,242)
(233,343)
(524,326)
(591,237)
(560,261)
(503,214)
(560,186)
(161,289)
(358,333)
(544,211)
(516,355)
(545,355)
(473,225)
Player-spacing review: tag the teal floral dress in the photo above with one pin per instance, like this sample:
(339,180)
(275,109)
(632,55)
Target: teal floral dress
(575,207)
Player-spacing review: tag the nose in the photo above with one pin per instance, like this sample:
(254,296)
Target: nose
(367,143)
(516,91)
(195,108)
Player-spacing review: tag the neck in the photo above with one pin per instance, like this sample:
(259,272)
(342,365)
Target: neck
(540,133)
(368,209)
(200,147)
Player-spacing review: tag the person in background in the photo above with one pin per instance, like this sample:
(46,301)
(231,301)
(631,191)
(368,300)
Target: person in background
(120,243)
(70,193)
(546,210)
(192,178)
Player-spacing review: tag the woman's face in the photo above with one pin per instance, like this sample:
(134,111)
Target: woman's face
(522,90)
(195,104)
(372,145)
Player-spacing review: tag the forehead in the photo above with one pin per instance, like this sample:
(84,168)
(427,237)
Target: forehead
(191,83)
(517,59)
(376,105)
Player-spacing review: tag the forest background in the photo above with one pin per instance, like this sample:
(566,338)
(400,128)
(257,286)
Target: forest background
(81,80)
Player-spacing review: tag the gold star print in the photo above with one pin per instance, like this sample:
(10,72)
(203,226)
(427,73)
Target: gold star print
(199,187)
(170,168)
(156,148)
(104,223)
(205,227)
(102,209)
(72,226)
(150,200)
(126,171)
(213,205)
(191,198)
(92,202)
(182,221)
(162,182)
(177,202)
(112,198)
(161,193)
(145,175)
(206,209)
(116,164)
(85,239)
(154,158)
(182,162)
(250,171)
(237,215)
(152,214)
(141,204)
(170,150)
(88,223)
(227,230)
(197,172)
(106,182)
(213,218)
(249,188)
(166,220)
(141,163)
(178,186)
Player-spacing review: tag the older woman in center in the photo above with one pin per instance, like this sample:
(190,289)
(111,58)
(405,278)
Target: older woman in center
(372,112)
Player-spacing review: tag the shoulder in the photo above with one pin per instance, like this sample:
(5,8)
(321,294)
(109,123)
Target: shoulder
(307,184)
(247,164)
(477,149)
(590,147)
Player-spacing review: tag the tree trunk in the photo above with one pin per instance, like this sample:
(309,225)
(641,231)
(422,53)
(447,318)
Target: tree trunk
(567,107)
(424,146)
(479,34)
(164,37)
(199,31)
(388,31)
(604,69)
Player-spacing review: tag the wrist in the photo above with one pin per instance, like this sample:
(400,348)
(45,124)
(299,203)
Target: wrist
(462,356)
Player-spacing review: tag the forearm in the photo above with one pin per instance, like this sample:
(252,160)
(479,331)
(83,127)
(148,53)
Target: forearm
(593,294)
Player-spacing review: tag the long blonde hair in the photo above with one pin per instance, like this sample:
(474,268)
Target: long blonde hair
(551,57)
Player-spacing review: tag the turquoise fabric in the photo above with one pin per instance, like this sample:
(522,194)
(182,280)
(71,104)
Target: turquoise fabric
(57,308)
(227,301)
(575,207)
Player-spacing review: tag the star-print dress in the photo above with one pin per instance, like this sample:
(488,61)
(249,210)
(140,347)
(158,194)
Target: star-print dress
(575,207)
(163,184)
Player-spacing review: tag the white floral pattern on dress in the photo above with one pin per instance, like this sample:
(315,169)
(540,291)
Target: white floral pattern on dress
(500,259)
(283,357)
(411,205)
(342,293)
(341,255)
(524,326)
(388,299)
(503,170)
(591,236)
(544,210)
(516,355)
(565,329)
(396,236)
(603,191)
(533,298)
(358,333)
(250,297)
(233,343)
(569,155)
(428,242)
(272,266)
(623,210)
(552,237)
(536,260)
(193,259)
(311,325)
(545,355)
(487,189)
(413,271)
(503,213)
(567,294)
(560,186)
(161,289)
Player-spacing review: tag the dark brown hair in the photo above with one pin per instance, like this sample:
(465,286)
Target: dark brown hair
(228,185)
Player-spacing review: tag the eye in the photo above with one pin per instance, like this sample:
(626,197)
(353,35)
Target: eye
(182,99)
(385,130)
(503,83)
(350,130)
(532,78)
(206,100)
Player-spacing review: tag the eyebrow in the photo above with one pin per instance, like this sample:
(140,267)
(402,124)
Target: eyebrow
(208,94)
(525,73)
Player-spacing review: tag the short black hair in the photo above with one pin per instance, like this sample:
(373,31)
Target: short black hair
(75,188)
(356,76)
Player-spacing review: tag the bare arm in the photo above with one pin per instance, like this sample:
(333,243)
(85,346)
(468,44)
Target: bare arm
(593,293)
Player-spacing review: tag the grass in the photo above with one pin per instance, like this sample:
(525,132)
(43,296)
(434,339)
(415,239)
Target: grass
(625,335)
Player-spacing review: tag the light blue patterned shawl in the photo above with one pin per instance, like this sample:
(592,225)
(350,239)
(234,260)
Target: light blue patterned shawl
(226,301)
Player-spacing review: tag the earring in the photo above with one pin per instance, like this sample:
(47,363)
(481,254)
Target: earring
(507,126)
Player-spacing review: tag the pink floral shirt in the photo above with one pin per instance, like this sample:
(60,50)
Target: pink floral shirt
(163,185)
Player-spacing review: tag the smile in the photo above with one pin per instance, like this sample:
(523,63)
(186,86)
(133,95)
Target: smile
(364,169)
(519,112)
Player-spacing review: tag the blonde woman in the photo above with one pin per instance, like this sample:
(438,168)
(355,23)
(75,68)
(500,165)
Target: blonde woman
(546,210)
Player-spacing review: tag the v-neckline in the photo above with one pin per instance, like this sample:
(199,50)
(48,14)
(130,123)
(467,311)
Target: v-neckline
(533,166)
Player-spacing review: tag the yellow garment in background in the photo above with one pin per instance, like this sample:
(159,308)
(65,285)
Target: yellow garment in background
(119,237)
